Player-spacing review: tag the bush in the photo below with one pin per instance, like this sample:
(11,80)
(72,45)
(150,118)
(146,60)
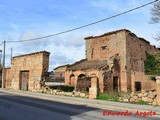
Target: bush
(152,64)
(63,88)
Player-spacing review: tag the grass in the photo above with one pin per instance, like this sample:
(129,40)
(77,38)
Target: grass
(141,102)
(112,96)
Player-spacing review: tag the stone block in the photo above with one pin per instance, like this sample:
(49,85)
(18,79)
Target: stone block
(132,100)
(140,95)
(77,93)
(135,97)
(149,100)
(82,95)
(144,99)
(69,93)
(145,94)
(151,95)
(93,93)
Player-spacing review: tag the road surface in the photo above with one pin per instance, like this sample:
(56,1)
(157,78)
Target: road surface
(15,107)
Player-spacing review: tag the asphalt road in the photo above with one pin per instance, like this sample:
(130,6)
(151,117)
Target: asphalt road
(14,107)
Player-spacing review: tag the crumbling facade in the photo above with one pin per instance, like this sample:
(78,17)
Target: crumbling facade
(27,72)
(116,59)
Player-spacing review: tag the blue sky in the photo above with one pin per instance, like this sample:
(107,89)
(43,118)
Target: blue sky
(25,19)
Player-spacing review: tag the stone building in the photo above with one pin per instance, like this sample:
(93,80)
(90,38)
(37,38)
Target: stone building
(116,59)
(59,72)
(27,72)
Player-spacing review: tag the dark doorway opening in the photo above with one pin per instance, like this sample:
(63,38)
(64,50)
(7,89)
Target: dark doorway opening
(115,84)
(83,83)
(24,78)
(137,86)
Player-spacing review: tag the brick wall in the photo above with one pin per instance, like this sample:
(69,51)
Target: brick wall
(105,47)
(130,49)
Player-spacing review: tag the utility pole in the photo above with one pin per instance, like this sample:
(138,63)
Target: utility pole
(3,69)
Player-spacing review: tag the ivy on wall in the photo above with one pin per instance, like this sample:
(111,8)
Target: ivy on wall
(152,64)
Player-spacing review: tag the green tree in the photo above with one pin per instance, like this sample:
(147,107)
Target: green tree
(152,64)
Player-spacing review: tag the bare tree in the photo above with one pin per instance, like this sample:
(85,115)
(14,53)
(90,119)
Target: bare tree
(155,12)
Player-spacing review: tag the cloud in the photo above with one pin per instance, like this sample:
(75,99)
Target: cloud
(61,16)
(34,45)
(15,26)
(117,6)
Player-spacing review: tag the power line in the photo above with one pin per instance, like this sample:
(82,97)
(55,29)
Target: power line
(83,26)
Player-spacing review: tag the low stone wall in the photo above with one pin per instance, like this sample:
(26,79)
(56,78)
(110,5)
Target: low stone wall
(59,92)
(146,96)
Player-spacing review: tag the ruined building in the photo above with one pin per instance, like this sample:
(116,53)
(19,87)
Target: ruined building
(116,59)
(27,72)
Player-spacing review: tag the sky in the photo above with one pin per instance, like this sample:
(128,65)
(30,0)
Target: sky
(27,19)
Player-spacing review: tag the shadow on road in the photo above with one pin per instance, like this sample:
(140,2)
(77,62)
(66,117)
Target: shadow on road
(66,109)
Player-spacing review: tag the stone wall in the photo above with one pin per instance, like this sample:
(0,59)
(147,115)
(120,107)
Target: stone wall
(36,64)
(145,80)
(149,97)
(59,72)
(131,51)
(105,47)
(136,55)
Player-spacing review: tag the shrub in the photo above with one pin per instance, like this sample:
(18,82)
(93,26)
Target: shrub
(64,88)
(152,64)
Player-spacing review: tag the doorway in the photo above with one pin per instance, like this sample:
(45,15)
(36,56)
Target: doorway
(24,78)
(115,84)
(137,86)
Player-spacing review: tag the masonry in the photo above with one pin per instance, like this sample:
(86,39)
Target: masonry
(116,59)
(27,72)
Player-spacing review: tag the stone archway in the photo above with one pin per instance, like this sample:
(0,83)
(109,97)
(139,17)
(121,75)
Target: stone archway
(83,83)
(72,80)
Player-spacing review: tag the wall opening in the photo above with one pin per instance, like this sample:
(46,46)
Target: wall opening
(83,83)
(24,79)
(137,86)
(115,84)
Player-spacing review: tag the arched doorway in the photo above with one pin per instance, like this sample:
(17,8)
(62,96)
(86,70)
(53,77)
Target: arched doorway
(72,80)
(83,83)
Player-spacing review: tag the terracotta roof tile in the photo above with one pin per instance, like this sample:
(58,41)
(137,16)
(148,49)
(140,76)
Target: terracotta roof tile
(85,64)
